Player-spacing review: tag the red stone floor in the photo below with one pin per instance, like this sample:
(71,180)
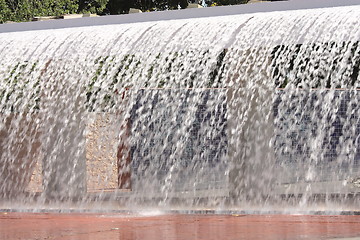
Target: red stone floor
(185,227)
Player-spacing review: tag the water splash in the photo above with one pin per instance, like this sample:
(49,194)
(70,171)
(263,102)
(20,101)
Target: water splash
(227,112)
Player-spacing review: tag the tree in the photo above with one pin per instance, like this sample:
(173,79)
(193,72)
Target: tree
(175,4)
(51,7)
(123,6)
(144,5)
(25,10)
(170,4)
(92,6)
(5,13)
(114,7)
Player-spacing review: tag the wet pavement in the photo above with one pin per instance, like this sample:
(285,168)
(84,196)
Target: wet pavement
(175,226)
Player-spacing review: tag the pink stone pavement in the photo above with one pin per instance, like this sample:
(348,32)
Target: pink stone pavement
(176,226)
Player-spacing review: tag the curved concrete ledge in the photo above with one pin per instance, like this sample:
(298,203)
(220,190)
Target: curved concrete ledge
(178,14)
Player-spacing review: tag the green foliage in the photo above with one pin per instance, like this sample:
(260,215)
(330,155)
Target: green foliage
(123,6)
(25,10)
(215,77)
(103,89)
(92,6)
(54,8)
(5,13)
(113,74)
(170,4)
(118,6)
(325,65)
(18,92)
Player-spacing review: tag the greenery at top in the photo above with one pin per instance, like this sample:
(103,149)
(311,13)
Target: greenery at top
(326,65)
(159,71)
(25,10)
(308,66)
(18,91)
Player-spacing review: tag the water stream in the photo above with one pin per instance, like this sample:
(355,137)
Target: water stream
(220,112)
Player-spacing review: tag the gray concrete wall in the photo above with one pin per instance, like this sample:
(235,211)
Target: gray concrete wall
(250,150)
(250,129)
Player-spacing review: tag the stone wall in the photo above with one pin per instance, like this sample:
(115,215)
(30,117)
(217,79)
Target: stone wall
(102,137)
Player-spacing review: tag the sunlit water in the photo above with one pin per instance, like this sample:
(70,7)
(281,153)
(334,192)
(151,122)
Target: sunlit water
(255,111)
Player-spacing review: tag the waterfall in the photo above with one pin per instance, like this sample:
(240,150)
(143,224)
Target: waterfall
(239,110)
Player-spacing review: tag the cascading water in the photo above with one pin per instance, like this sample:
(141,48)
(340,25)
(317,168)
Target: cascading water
(233,111)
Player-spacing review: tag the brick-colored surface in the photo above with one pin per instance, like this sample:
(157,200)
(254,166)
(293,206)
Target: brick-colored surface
(185,227)
(102,142)
(35,184)
(101,150)
(19,151)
